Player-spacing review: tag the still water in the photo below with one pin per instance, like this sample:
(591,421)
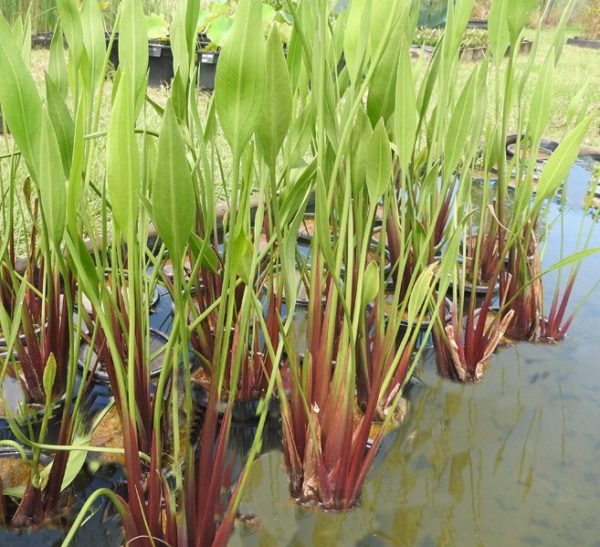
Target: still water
(514,460)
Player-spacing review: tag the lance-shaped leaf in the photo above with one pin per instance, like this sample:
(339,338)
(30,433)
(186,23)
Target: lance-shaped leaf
(76,167)
(356,36)
(541,101)
(277,106)
(123,162)
(459,126)
(499,35)
(57,68)
(240,78)
(379,163)
(405,115)
(518,15)
(62,122)
(133,45)
(19,98)
(51,183)
(93,39)
(558,166)
(71,24)
(381,99)
(172,195)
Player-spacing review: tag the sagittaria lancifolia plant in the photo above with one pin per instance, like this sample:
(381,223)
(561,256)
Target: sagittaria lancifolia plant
(371,139)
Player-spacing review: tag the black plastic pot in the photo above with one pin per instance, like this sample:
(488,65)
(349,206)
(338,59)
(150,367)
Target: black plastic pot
(160,64)
(207,69)
(547,148)
(96,398)
(478,23)
(114,50)
(584,42)
(160,61)
(100,375)
(2,125)
(242,412)
(41,40)
(28,418)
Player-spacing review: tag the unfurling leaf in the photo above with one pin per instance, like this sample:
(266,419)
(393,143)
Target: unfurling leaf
(49,376)
(371,283)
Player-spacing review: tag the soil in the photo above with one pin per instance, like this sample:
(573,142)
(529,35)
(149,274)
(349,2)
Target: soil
(109,434)
(14,472)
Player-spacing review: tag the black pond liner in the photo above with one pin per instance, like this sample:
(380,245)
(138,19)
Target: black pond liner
(584,42)
(103,526)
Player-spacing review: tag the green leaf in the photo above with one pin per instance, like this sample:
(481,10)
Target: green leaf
(541,101)
(19,98)
(459,126)
(133,46)
(94,40)
(122,160)
(57,67)
(499,35)
(276,116)
(219,30)
(361,136)
(71,23)
(62,122)
(241,256)
(204,252)
(406,114)
(76,169)
(356,36)
(558,166)
(173,203)
(518,15)
(378,163)
(241,78)
(422,291)
(300,135)
(156,26)
(49,376)
(51,183)
(381,99)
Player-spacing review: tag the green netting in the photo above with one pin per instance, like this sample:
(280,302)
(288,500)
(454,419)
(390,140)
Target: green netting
(433,13)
